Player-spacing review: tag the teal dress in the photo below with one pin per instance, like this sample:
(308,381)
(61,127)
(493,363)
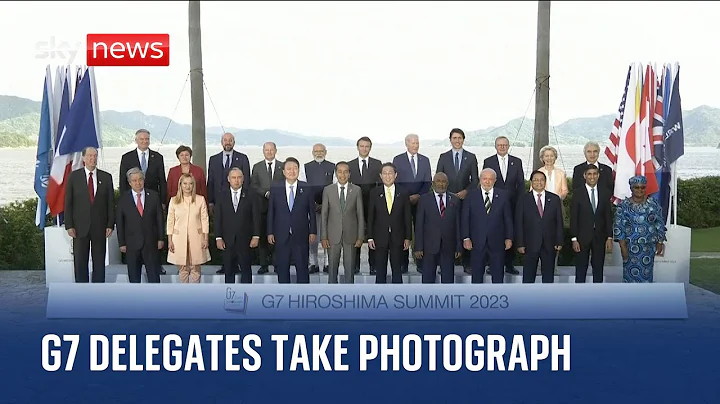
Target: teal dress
(642,225)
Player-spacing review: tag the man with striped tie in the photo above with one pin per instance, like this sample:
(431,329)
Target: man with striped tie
(486,227)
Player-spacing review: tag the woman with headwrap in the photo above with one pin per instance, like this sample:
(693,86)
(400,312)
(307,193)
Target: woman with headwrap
(640,231)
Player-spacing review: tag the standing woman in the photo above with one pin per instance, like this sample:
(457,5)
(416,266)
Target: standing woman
(188,226)
(184,154)
(640,231)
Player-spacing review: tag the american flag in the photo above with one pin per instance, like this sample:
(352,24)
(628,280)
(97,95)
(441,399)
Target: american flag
(611,151)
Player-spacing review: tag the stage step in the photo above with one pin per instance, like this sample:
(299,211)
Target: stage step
(118,274)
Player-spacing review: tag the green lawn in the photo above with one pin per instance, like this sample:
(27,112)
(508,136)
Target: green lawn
(705,240)
(705,273)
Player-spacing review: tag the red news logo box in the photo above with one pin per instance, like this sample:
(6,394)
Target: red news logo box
(128,50)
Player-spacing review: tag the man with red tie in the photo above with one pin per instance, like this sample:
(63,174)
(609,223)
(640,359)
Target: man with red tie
(140,228)
(89,216)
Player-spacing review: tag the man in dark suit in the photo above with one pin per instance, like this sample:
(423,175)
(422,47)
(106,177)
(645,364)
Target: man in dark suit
(152,165)
(461,168)
(365,172)
(237,226)
(539,229)
(437,231)
(291,223)
(414,175)
(219,167)
(149,161)
(389,225)
(511,178)
(140,229)
(592,153)
(591,226)
(319,173)
(487,227)
(89,216)
(264,174)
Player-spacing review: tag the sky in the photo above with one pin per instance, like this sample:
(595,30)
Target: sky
(381,69)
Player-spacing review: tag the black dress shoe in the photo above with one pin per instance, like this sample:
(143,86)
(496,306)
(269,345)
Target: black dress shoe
(314,269)
(162,271)
(220,271)
(468,270)
(262,270)
(404,269)
(512,271)
(372,271)
(326,269)
(357,270)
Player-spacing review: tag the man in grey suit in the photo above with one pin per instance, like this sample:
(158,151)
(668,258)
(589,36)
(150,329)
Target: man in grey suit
(264,173)
(343,223)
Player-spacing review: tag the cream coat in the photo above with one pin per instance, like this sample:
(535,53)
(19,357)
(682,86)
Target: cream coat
(187,223)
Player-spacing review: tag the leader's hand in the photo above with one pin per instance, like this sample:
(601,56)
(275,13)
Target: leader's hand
(220,244)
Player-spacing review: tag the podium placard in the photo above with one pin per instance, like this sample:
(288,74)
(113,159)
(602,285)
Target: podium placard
(368,302)
(59,265)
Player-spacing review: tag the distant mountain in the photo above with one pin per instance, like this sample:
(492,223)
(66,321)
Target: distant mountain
(702,129)
(20,123)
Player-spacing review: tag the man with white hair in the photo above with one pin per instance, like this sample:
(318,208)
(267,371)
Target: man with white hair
(592,154)
(414,175)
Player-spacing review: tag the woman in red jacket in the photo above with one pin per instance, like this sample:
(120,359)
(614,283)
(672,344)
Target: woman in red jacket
(184,154)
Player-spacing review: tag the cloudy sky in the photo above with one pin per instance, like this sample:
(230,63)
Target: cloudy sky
(377,69)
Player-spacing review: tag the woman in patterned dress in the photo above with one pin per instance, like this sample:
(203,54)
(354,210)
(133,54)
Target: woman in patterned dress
(640,231)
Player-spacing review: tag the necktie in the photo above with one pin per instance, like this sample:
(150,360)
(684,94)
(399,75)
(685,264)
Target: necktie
(91,188)
(442,205)
(143,163)
(457,161)
(235,200)
(539,204)
(292,198)
(270,170)
(388,199)
(487,202)
(342,198)
(412,163)
(364,167)
(503,168)
(139,204)
(593,202)
(227,161)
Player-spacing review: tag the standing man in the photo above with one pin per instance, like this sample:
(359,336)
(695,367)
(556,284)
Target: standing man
(487,227)
(365,172)
(319,174)
(152,165)
(437,231)
(291,223)
(89,216)
(592,153)
(342,223)
(237,226)
(414,176)
(389,225)
(539,229)
(140,228)
(512,180)
(591,226)
(264,174)
(461,168)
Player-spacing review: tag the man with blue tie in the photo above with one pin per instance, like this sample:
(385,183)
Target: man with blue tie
(511,178)
(461,168)
(414,176)
(487,227)
(437,231)
(291,225)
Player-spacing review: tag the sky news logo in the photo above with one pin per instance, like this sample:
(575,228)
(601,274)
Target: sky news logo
(128,50)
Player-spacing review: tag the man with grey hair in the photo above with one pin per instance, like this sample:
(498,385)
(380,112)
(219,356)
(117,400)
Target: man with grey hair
(319,173)
(140,228)
(486,227)
(414,175)
(592,154)
(264,173)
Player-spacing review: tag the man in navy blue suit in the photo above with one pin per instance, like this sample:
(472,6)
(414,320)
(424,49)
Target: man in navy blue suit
(511,178)
(291,224)
(219,167)
(487,227)
(414,176)
(437,231)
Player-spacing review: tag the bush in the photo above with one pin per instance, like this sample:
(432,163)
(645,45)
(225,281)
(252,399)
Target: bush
(22,245)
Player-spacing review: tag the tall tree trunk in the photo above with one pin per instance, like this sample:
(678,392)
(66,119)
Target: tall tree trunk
(197,96)
(542,83)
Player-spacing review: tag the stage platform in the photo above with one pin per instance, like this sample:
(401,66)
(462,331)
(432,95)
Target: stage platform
(118,274)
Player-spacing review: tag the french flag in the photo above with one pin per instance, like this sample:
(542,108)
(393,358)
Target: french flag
(79,130)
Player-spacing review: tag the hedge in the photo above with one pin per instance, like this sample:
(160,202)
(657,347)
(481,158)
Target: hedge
(22,245)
